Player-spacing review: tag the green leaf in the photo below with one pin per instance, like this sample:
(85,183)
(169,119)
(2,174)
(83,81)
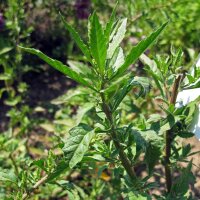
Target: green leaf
(181,185)
(157,82)
(117,59)
(8,176)
(97,41)
(165,124)
(115,84)
(74,192)
(136,51)
(85,71)
(80,68)
(151,143)
(192,113)
(61,167)
(83,47)
(13,101)
(193,85)
(132,196)
(109,25)
(59,66)
(5,50)
(185,134)
(77,144)
(144,138)
(140,82)
(70,95)
(117,38)
(152,156)
(5,77)
(40,163)
(82,111)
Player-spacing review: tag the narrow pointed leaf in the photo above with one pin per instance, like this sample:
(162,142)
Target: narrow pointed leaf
(59,66)
(97,42)
(117,38)
(139,49)
(110,23)
(83,47)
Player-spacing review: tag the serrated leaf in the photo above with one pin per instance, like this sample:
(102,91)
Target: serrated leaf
(77,144)
(97,41)
(192,112)
(136,51)
(147,137)
(58,66)
(83,47)
(117,38)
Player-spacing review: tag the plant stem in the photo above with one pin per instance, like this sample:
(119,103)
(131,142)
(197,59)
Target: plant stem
(37,184)
(123,157)
(168,135)
(14,164)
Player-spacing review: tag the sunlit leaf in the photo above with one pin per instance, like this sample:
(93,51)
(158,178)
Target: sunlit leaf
(97,42)
(59,66)
(139,49)
(117,38)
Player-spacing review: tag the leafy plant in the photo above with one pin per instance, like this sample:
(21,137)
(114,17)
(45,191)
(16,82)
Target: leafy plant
(102,138)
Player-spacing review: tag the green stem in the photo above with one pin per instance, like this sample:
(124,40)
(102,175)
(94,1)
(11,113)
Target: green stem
(14,164)
(169,134)
(123,157)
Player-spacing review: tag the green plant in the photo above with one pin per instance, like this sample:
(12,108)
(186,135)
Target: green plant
(103,138)
(13,33)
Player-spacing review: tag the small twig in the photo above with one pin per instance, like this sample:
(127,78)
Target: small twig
(37,184)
